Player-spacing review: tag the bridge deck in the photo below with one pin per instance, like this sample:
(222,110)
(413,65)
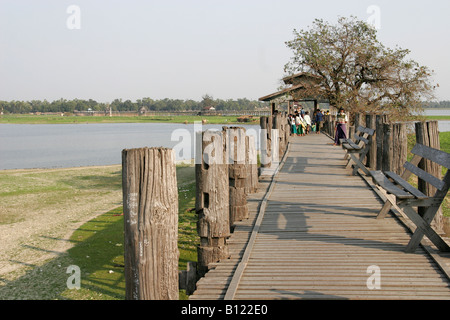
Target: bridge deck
(319,239)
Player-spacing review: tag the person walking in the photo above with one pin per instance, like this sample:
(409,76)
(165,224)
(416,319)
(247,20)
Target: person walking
(307,119)
(341,127)
(319,121)
(292,124)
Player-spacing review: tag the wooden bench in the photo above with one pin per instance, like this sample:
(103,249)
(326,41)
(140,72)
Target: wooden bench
(405,197)
(356,151)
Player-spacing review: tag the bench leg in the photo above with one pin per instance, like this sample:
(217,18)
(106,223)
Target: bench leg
(385,210)
(359,165)
(424,228)
(349,164)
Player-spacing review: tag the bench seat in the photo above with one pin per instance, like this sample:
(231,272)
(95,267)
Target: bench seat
(407,198)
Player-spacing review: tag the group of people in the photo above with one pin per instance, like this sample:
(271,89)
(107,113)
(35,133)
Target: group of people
(302,123)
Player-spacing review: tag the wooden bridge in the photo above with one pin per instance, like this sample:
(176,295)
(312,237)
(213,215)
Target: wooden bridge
(312,234)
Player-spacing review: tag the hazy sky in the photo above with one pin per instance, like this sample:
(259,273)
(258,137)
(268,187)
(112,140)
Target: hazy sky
(185,49)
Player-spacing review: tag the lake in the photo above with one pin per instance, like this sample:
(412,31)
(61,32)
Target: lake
(25,146)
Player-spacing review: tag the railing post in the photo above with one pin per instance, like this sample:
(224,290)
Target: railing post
(372,154)
(212,199)
(150,206)
(238,173)
(380,120)
(400,147)
(278,125)
(252,165)
(265,142)
(427,133)
(387,147)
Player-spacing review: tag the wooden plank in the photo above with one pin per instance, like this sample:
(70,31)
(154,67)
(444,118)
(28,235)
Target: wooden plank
(439,184)
(397,179)
(438,156)
(231,290)
(385,183)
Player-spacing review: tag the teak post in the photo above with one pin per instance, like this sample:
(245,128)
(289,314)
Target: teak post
(150,206)
(212,199)
(252,165)
(427,133)
(266,142)
(372,154)
(400,147)
(388,150)
(380,121)
(238,173)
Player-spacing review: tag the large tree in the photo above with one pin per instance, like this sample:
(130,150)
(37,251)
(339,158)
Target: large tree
(356,71)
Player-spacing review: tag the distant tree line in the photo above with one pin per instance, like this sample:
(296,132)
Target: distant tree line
(63,105)
(437,104)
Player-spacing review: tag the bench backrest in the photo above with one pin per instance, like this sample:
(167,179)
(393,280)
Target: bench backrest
(362,134)
(440,157)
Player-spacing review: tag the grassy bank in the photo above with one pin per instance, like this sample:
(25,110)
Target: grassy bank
(53,119)
(57,119)
(94,242)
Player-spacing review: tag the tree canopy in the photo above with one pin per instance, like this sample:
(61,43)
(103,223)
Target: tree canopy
(64,105)
(354,70)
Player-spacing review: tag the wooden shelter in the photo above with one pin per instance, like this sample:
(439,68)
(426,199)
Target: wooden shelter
(300,87)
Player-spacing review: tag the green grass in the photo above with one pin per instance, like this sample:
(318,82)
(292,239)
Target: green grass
(439,118)
(99,246)
(99,254)
(54,119)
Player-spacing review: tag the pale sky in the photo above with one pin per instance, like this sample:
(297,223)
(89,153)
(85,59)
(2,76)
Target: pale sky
(185,49)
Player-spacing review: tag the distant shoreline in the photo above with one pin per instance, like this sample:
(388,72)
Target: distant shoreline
(54,119)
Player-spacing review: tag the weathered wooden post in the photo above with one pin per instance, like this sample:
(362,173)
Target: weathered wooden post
(252,165)
(288,131)
(400,147)
(394,148)
(380,120)
(278,125)
(331,125)
(212,199)
(150,206)
(238,173)
(371,161)
(427,133)
(265,142)
(327,124)
(386,163)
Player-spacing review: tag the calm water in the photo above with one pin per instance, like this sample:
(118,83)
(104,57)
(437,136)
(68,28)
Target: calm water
(73,145)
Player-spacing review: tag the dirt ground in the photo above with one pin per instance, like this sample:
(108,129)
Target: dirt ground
(40,209)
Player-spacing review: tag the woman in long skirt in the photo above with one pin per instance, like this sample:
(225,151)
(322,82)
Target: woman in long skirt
(341,127)
(293,126)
